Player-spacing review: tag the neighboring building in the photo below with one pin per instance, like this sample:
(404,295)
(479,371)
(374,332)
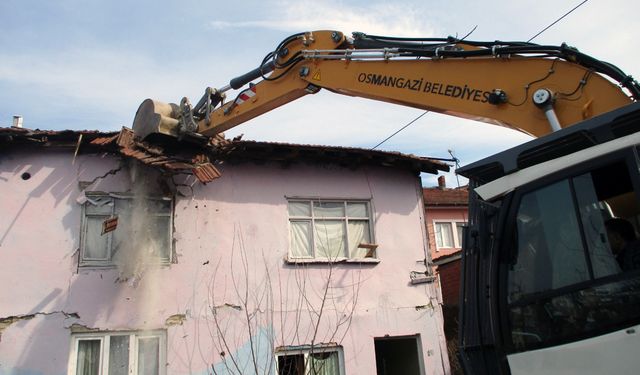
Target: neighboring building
(446,215)
(118,257)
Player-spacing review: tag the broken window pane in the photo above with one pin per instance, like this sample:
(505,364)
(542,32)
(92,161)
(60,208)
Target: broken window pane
(143,231)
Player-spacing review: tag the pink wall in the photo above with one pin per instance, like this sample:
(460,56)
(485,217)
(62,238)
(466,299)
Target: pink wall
(231,236)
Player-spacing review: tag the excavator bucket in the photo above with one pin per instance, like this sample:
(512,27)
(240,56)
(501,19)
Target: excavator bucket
(156,119)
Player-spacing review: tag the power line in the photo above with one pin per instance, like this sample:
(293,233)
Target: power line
(399,130)
(556,21)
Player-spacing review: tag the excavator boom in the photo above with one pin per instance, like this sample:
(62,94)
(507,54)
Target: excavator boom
(534,89)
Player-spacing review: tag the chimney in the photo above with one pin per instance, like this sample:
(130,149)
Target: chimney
(17,121)
(442,183)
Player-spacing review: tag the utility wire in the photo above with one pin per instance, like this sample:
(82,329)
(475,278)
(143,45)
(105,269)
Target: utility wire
(399,130)
(556,21)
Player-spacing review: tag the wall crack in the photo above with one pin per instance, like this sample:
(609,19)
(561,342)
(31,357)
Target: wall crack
(86,184)
(5,322)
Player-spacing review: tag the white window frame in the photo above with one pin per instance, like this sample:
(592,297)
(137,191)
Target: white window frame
(312,220)
(307,350)
(457,242)
(105,341)
(108,262)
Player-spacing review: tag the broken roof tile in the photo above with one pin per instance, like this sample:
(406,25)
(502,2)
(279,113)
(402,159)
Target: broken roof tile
(102,141)
(125,137)
(206,172)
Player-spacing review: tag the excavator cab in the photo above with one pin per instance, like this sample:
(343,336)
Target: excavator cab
(546,288)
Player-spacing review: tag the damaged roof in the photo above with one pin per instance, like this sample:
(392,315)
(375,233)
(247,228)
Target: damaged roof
(200,159)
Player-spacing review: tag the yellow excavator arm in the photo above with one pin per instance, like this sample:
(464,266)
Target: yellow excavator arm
(534,89)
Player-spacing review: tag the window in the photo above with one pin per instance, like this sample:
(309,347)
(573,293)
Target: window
(143,227)
(118,353)
(398,355)
(305,360)
(565,276)
(460,232)
(330,230)
(446,236)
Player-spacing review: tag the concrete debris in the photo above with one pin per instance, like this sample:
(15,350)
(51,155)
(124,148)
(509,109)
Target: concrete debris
(226,304)
(79,328)
(429,306)
(175,320)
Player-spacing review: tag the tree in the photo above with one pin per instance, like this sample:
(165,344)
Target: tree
(276,306)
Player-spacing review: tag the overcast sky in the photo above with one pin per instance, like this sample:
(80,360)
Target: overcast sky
(82,64)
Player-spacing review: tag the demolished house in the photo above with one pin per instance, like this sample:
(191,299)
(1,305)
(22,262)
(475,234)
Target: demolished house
(236,257)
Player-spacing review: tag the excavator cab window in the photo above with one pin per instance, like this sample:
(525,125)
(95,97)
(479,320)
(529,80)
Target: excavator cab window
(567,275)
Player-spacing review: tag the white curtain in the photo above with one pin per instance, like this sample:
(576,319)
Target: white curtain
(330,239)
(444,235)
(358,233)
(324,364)
(301,239)
(88,357)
